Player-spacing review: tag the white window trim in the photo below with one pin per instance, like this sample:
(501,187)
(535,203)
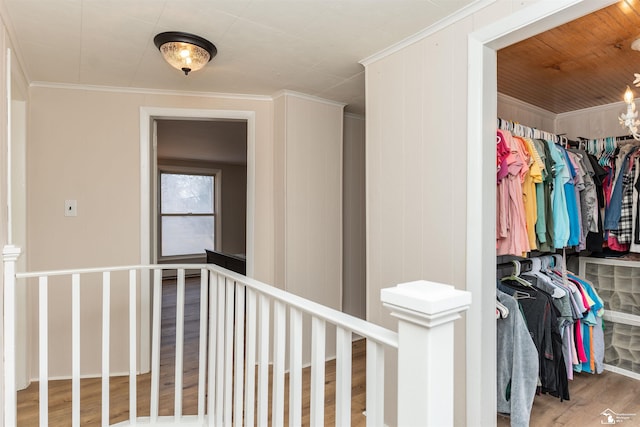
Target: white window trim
(217,207)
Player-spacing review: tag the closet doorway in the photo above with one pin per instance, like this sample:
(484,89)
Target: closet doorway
(481,210)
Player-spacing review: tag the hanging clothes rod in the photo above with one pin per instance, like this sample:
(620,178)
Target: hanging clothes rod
(518,129)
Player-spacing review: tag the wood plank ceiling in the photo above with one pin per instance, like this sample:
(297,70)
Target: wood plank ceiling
(584,63)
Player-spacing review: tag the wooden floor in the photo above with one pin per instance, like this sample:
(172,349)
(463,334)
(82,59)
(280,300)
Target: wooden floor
(590,396)
(91,389)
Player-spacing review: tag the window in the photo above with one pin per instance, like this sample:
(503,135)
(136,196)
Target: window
(187,222)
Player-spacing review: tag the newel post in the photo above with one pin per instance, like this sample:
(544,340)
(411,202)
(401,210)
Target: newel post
(10,255)
(425,312)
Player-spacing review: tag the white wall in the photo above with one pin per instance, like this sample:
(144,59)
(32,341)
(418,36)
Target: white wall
(85,145)
(591,123)
(4,42)
(510,108)
(595,122)
(416,168)
(311,147)
(309,186)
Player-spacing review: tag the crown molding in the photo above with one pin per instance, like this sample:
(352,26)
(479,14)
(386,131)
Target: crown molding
(146,91)
(458,15)
(620,106)
(355,116)
(301,95)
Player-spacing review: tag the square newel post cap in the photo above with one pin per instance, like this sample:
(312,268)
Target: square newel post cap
(10,253)
(425,300)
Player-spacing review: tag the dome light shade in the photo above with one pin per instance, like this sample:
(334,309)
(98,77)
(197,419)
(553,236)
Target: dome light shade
(184,51)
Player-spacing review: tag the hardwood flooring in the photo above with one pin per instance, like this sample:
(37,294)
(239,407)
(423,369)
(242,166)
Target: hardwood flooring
(60,391)
(590,396)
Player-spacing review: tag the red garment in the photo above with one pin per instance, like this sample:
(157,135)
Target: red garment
(582,356)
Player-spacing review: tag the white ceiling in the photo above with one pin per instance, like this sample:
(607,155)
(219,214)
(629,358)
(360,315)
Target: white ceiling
(264,46)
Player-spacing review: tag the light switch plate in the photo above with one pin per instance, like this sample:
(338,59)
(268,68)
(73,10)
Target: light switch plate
(70,208)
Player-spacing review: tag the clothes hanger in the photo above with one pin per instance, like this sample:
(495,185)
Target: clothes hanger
(522,295)
(537,271)
(515,276)
(502,310)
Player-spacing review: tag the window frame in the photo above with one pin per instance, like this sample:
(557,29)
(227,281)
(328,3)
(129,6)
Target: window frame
(217,207)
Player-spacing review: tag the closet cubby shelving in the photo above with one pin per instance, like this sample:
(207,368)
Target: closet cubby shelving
(617,281)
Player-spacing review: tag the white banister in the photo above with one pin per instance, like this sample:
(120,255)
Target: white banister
(425,312)
(247,331)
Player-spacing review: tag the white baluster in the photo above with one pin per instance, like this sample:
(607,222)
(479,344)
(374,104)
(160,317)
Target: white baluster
(202,358)
(43,342)
(133,342)
(179,362)
(375,384)
(263,362)
(211,382)
(10,255)
(220,289)
(238,376)
(75,350)
(279,341)
(318,345)
(295,367)
(106,331)
(343,377)
(155,344)
(250,399)
(228,352)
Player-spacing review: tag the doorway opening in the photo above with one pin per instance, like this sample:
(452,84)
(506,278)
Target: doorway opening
(201,189)
(483,45)
(149,117)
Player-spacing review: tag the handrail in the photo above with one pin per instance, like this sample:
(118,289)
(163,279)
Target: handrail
(425,313)
(354,324)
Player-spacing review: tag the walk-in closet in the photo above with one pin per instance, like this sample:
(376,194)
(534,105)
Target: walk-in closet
(568,224)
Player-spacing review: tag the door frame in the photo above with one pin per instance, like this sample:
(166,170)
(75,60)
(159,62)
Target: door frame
(481,210)
(148,171)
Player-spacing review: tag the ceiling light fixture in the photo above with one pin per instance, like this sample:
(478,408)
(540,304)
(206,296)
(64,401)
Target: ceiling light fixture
(184,51)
